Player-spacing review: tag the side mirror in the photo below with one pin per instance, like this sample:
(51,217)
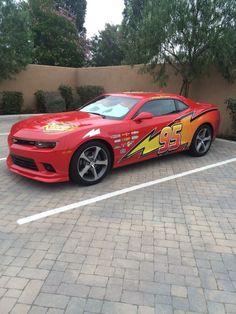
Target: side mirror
(143,116)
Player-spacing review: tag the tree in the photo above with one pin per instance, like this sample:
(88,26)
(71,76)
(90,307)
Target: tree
(106,47)
(56,41)
(76,8)
(190,36)
(15,40)
(132,15)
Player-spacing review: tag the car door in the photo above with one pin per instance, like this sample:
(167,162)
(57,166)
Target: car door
(158,135)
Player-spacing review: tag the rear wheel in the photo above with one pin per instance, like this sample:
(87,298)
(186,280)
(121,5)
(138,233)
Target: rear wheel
(201,142)
(90,164)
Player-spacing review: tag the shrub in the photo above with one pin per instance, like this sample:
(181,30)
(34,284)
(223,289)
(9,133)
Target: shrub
(89,92)
(231,106)
(67,94)
(11,102)
(72,100)
(40,101)
(49,102)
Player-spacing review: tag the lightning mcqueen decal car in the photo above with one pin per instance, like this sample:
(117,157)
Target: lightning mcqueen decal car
(111,131)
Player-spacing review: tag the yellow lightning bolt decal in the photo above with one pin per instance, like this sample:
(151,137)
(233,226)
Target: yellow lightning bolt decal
(152,142)
(149,144)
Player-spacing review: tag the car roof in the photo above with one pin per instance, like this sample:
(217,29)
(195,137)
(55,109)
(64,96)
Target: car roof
(146,95)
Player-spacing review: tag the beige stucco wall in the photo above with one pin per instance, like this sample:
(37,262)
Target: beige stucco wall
(212,88)
(37,77)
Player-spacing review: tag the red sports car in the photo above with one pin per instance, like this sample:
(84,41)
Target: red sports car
(111,131)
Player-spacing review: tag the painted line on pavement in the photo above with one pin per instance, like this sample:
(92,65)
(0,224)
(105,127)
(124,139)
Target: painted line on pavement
(1,159)
(100,198)
(3,134)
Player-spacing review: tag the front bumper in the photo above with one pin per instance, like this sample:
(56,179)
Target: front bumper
(59,160)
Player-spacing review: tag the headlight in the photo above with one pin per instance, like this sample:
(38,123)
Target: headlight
(45,144)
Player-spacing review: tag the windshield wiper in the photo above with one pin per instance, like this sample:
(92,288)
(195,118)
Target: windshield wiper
(98,114)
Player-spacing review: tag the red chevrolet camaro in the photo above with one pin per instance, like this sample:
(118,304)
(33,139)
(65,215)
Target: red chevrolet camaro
(111,131)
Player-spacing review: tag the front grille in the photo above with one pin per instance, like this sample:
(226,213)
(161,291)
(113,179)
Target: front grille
(24,162)
(23,142)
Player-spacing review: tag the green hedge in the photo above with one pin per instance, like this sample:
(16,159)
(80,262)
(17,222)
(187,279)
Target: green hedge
(89,92)
(49,102)
(72,100)
(11,102)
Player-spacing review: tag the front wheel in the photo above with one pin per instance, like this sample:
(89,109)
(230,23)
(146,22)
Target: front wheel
(90,164)
(201,141)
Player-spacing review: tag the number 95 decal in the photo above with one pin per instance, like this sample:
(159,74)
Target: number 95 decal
(170,138)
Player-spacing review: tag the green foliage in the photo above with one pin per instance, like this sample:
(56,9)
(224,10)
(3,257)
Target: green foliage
(11,102)
(231,106)
(188,35)
(72,100)
(67,93)
(106,48)
(49,102)
(56,41)
(15,39)
(132,16)
(89,92)
(76,8)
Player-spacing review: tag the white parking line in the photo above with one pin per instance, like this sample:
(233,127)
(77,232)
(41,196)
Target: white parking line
(119,192)
(3,134)
(1,159)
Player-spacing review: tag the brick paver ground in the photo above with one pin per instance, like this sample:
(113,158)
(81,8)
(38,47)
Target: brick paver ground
(168,248)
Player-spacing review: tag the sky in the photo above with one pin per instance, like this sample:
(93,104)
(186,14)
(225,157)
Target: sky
(100,12)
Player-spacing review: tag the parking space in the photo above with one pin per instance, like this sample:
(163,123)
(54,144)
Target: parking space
(165,248)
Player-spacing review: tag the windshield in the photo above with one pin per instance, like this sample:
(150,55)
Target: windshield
(115,107)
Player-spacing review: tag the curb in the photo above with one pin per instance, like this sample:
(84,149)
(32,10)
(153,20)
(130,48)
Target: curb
(16,117)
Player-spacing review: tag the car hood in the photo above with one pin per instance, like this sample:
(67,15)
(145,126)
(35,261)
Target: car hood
(54,125)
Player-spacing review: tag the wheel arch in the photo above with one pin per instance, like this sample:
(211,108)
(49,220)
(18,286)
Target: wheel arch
(108,145)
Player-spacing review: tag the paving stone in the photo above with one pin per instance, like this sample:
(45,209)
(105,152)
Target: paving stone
(93,306)
(6,304)
(179,291)
(197,300)
(31,291)
(215,308)
(118,308)
(146,310)
(20,309)
(16,283)
(92,280)
(76,306)
(33,273)
(74,290)
(52,300)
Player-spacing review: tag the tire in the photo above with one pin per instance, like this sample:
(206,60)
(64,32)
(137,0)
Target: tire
(201,141)
(90,163)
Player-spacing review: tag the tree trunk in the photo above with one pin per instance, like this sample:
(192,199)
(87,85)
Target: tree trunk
(184,91)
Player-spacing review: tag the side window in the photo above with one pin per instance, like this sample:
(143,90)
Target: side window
(159,107)
(180,105)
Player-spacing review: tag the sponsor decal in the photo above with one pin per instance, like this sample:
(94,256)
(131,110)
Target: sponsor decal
(123,151)
(56,127)
(125,134)
(117,141)
(116,136)
(134,132)
(117,147)
(134,137)
(126,139)
(130,143)
(92,133)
